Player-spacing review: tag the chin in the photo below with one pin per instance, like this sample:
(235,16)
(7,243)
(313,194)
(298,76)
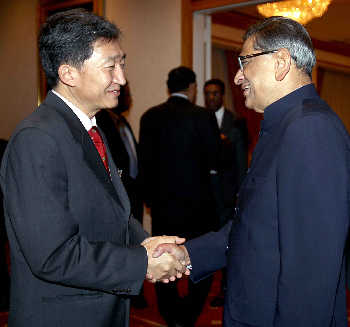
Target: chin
(111,105)
(247,104)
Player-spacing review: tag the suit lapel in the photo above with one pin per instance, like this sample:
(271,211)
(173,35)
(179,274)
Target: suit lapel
(82,137)
(115,178)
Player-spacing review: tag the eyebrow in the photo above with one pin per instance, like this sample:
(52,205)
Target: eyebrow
(120,57)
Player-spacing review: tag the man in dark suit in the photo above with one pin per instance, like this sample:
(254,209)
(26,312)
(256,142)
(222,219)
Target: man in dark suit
(234,137)
(284,251)
(179,147)
(75,248)
(233,134)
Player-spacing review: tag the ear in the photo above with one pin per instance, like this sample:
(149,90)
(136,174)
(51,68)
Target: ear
(283,64)
(68,74)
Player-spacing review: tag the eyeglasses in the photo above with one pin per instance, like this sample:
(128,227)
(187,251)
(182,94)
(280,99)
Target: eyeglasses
(242,59)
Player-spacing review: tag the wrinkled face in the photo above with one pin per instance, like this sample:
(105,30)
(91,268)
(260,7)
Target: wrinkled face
(257,79)
(100,78)
(213,97)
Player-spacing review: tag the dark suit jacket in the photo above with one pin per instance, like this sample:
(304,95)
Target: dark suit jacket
(121,157)
(285,251)
(179,147)
(233,161)
(74,252)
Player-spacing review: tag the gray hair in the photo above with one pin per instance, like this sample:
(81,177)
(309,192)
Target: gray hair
(280,32)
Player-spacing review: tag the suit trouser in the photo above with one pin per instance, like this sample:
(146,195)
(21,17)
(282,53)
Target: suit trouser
(183,310)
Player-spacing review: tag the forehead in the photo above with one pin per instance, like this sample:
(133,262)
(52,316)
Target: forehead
(106,50)
(212,88)
(248,47)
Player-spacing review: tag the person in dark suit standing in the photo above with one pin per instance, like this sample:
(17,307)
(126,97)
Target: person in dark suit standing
(234,137)
(285,249)
(76,253)
(124,148)
(179,147)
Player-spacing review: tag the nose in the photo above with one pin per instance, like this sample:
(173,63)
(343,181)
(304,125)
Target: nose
(239,77)
(119,75)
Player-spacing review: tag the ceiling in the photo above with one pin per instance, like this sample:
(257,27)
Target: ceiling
(331,32)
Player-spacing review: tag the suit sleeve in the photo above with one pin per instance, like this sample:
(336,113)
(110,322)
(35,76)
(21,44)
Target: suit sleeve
(208,252)
(36,201)
(137,233)
(312,190)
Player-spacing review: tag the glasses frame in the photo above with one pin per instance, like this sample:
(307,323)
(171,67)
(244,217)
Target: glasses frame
(241,58)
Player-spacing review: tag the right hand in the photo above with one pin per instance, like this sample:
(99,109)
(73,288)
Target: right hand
(164,267)
(177,251)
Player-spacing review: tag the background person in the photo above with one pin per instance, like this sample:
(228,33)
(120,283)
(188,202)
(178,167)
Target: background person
(124,150)
(234,137)
(234,154)
(179,149)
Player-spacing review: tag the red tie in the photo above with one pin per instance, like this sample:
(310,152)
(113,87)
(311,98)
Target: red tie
(100,146)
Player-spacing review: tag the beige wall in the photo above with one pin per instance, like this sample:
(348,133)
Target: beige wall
(18,62)
(152,42)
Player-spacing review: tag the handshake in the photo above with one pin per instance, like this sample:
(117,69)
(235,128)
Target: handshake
(167,258)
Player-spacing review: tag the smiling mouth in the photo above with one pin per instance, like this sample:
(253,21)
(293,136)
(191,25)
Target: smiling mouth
(115,92)
(245,90)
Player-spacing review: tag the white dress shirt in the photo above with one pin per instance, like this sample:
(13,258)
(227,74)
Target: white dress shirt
(83,117)
(219,114)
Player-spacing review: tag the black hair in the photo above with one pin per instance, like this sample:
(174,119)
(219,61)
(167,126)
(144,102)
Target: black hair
(68,37)
(217,82)
(180,78)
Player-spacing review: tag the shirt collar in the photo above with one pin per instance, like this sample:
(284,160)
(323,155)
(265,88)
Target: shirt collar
(181,95)
(275,112)
(84,119)
(219,114)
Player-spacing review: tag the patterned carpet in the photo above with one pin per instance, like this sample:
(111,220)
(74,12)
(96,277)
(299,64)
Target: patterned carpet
(149,317)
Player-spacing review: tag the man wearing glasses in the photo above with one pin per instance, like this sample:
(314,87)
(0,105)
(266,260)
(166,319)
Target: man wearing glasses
(284,250)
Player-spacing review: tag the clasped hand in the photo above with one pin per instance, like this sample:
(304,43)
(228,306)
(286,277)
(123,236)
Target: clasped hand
(167,258)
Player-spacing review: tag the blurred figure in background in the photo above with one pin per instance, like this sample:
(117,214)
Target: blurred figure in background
(179,150)
(234,136)
(123,146)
